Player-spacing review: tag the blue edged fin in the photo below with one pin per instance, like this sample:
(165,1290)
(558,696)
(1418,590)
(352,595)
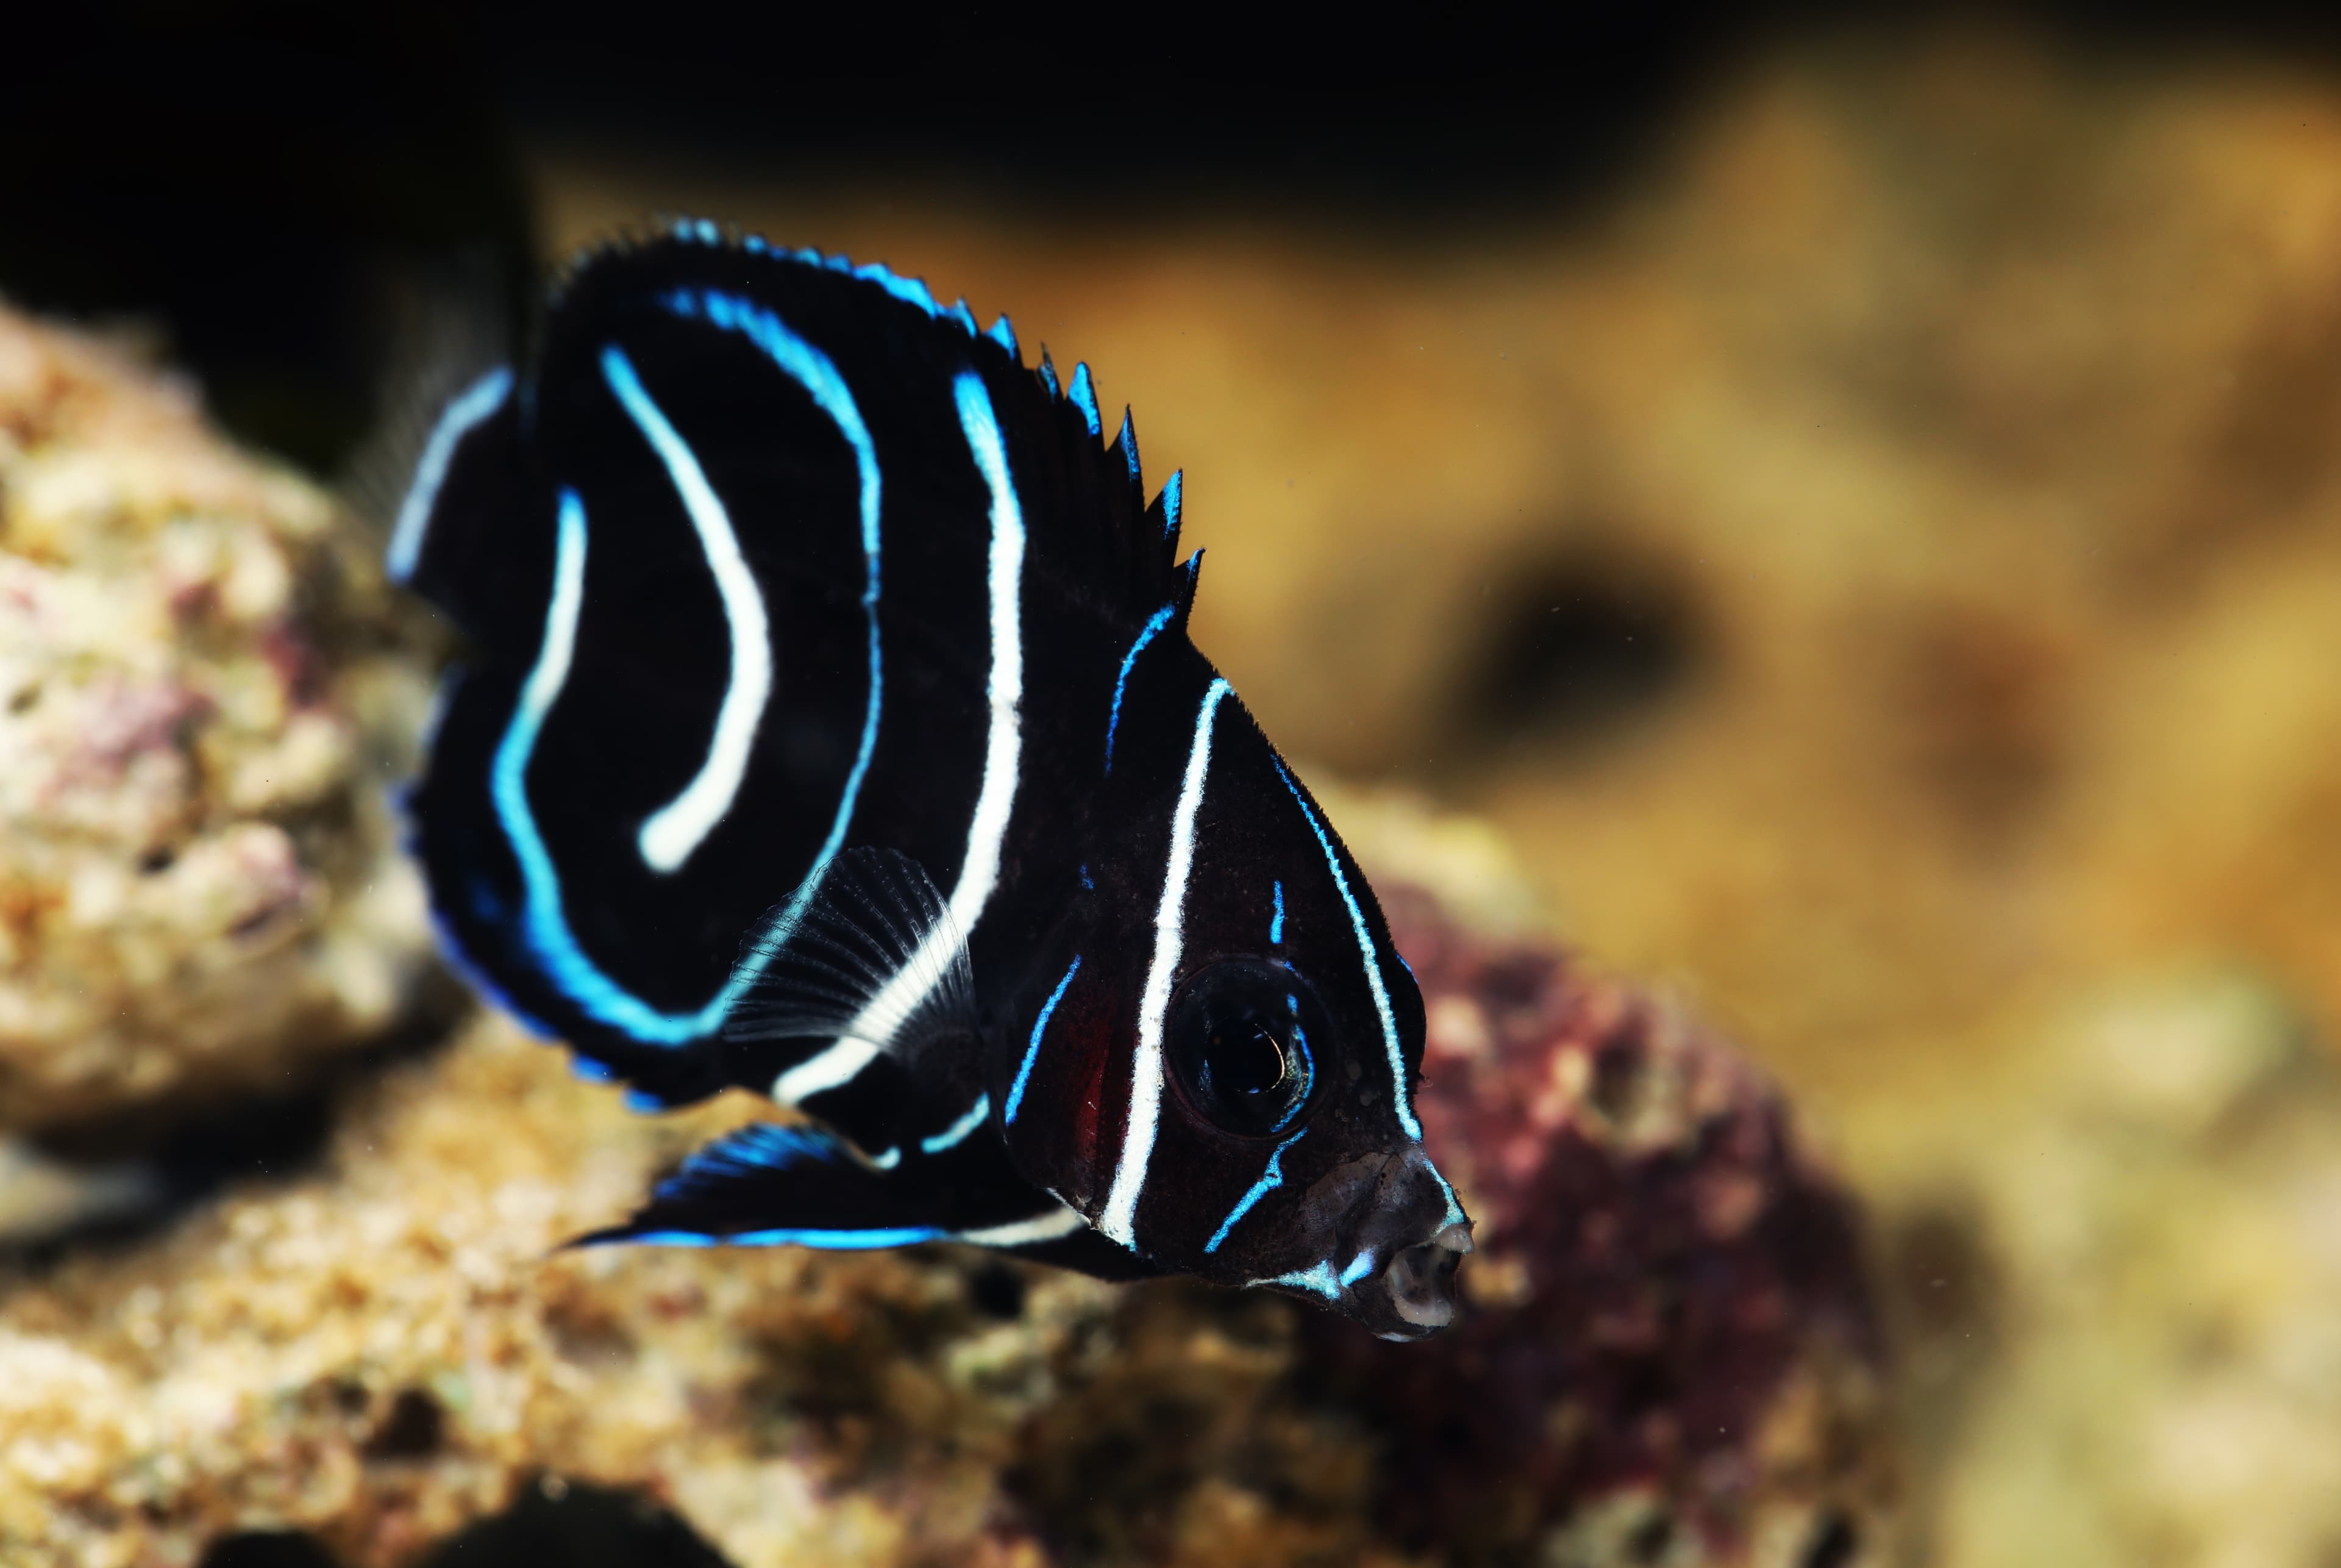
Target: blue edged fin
(1084,397)
(771,1185)
(908,290)
(1182,596)
(1127,443)
(1003,331)
(1163,511)
(1048,374)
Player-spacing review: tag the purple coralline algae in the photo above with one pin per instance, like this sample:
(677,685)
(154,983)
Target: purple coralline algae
(1670,1334)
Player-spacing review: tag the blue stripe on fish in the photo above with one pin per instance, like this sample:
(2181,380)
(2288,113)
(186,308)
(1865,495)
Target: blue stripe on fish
(1154,624)
(1271,1179)
(478,402)
(828,1241)
(957,1131)
(1032,1051)
(468,969)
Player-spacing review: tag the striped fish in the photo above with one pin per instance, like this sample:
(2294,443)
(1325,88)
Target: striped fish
(829,726)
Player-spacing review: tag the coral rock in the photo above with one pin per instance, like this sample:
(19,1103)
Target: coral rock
(202,689)
(1670,1340)
(1665,1337)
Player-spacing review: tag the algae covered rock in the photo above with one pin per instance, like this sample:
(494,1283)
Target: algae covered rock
(394,1347)
(202,691)
(1671,1354)
(2121,1324)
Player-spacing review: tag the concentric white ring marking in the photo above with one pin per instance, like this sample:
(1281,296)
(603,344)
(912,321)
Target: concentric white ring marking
(873,1028)
(670,833)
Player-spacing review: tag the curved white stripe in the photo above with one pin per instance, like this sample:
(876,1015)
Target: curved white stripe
(1002,752)
(670,833)
(550,938)
(474,404)
(874,1027)
(839,1062)
(1146,1070)
(1024,1233)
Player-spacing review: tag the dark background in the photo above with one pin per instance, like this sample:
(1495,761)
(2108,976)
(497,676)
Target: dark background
(261,186)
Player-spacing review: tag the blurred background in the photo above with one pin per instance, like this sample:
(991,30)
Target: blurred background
(1855,505)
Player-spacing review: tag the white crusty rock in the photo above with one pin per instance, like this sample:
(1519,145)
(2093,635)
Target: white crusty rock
(202,690)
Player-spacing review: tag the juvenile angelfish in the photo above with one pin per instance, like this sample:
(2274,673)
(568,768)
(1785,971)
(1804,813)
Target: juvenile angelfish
(829,727)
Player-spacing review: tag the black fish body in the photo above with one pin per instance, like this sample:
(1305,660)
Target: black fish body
(831,727)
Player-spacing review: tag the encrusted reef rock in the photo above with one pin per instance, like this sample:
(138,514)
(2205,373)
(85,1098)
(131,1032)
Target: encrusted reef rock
(1668,1358)
(202,689)
(1670,1355)
(2117,1332)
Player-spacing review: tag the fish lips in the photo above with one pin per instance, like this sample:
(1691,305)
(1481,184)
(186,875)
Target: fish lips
(1393,1221)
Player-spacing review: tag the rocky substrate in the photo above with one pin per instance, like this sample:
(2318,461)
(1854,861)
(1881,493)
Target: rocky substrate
(1667,1357)
(203,684)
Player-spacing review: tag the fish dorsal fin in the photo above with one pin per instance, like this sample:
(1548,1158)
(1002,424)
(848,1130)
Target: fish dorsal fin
(869,953)
(893,344)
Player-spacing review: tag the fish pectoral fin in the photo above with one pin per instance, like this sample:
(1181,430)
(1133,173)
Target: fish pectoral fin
(773,1185)
(867,958)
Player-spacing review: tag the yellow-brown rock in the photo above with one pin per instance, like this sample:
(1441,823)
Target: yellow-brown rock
(394,1345)
(201,695)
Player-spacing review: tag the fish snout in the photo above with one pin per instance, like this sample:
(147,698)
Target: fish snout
(1415,1234)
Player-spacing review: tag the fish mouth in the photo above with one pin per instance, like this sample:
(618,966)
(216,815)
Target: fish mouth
(1404,1235)
(1417,1286)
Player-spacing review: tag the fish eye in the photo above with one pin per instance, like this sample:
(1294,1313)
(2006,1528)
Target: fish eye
(1240,1045)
